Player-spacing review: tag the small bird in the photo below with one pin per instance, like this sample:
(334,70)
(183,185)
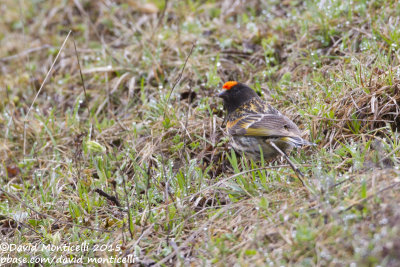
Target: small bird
(253,124)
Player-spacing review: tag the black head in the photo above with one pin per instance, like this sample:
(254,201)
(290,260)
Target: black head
(236,94)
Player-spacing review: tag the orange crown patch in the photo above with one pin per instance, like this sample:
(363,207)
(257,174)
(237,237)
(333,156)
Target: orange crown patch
(229,85)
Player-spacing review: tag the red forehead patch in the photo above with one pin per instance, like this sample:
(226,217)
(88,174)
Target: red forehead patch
(229,85)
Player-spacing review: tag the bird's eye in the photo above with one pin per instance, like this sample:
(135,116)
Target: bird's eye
(286,127)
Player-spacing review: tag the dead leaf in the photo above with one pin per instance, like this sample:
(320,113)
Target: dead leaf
(12,171)
(148,8)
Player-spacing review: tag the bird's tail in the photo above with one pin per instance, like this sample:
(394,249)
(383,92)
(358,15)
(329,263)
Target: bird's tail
(297,141)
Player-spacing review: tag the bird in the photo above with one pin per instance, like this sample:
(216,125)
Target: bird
(253,125)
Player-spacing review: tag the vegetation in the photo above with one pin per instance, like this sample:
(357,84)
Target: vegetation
(132,152)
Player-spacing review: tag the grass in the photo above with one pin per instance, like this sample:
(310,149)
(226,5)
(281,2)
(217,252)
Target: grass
(135,158)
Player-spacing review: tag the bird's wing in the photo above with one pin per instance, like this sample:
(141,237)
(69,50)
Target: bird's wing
(272,110)
(274,125)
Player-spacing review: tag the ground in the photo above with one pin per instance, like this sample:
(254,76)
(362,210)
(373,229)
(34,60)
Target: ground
(112,134)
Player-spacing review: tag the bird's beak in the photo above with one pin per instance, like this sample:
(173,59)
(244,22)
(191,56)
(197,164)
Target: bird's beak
(222,94)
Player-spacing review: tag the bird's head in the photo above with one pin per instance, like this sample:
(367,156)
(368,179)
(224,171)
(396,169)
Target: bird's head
(236,94)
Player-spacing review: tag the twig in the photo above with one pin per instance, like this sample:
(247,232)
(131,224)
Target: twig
(25,225)
(80,72)
(371,196)
(187,119)
(25,53)
(190,238)
(41,86)
(147,192)
(390,154)
(179,77)
(221,182)
(95,30)
(340,182)
(111,198)
(299,174)
(166,193)
(352,119)
(176,249)
(218,183)
(130,225)
(161,18)
(144,234)
(11,195)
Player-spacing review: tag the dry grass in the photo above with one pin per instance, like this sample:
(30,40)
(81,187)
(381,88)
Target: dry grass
(136,156)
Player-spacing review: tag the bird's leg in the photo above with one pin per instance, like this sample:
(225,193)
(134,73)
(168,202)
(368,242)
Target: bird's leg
(299,174)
